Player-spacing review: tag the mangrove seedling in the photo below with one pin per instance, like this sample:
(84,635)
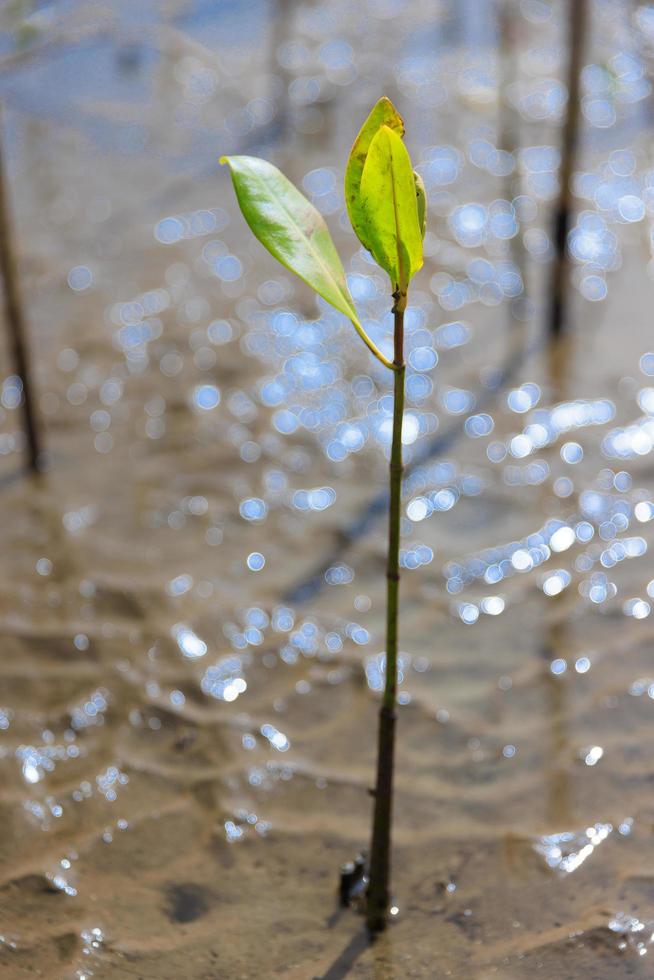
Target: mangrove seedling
(386,204)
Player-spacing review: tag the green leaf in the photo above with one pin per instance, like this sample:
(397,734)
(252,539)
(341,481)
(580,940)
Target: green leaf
(388,196)
(421,200)
(384,113)
(290,228)
(295,233)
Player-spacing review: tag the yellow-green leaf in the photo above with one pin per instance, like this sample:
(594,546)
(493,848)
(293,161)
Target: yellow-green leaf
(295,233)
(421,200)
(290,228)
(388,196)
(384,113)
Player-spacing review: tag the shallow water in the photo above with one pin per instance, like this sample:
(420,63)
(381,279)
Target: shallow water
(191,600)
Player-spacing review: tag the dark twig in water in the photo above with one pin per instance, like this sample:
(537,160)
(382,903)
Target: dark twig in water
(560,271)
(13,311)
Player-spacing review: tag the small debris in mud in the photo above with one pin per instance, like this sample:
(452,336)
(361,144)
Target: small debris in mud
(187,902)
(353,882)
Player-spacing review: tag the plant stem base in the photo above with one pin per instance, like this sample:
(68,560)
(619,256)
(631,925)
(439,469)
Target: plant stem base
(380,857)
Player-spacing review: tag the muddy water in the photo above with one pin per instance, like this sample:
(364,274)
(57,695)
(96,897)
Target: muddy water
(191,601)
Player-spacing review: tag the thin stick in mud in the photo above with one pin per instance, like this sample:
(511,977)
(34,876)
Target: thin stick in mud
(559,285)
(15,321)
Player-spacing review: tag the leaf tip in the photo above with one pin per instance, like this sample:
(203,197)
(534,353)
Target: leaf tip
(223,159)
(385,101)
(392,112)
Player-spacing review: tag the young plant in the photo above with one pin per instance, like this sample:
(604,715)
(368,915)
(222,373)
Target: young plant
(386,204)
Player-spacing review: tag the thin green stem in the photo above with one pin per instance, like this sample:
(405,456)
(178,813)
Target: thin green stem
(371,346)
(380,851)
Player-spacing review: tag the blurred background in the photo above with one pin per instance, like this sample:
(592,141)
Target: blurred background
(192,587)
